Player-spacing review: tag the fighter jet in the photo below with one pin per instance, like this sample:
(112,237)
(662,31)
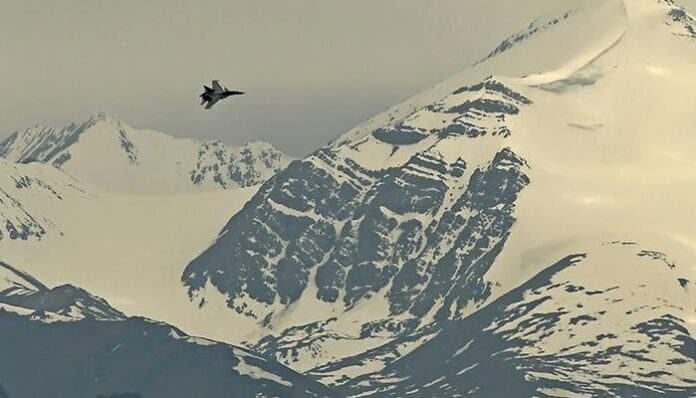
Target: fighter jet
(212,95)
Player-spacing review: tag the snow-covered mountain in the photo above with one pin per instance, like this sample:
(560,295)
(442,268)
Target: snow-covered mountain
(414,224)
(564,333)
(20,290)
(127,248)
(111,155)
(29,197)
(524,226)
(65,342)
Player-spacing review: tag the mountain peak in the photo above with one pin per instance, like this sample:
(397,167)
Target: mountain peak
(102,117)
(261,144)
(112,155)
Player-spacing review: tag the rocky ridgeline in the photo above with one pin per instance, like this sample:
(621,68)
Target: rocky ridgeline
(52,334)
(231,167)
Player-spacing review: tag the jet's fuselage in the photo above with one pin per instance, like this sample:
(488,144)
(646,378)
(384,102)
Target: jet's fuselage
(210,96)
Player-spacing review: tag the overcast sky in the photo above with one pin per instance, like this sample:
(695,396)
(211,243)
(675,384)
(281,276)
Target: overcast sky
(312,69)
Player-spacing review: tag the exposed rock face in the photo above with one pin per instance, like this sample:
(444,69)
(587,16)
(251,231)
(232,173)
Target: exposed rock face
(231,167)
(416,237)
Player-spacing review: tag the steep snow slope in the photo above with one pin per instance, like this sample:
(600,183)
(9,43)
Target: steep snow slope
(616,148)
(29,196)
(444,203)
(63,345)
(115,157)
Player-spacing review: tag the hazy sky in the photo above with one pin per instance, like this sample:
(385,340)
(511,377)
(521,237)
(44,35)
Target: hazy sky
(312,69)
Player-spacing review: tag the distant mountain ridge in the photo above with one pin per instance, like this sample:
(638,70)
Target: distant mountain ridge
(61,303)
(65,343)
(108,153)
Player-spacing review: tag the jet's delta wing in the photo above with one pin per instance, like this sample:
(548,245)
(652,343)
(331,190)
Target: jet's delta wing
(211,103)
(217,87)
